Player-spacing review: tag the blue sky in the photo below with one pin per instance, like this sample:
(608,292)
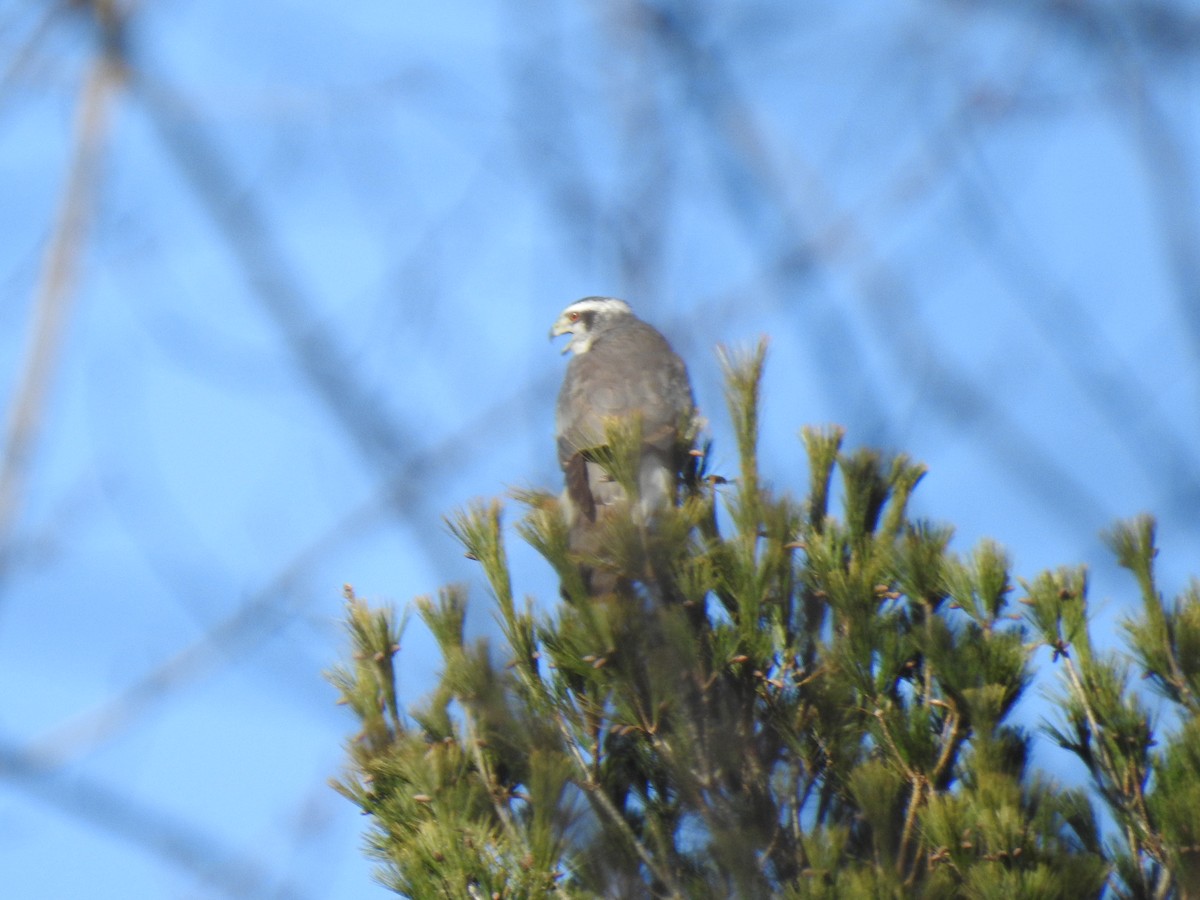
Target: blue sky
(325,246)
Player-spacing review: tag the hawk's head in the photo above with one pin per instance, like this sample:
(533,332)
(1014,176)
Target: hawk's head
(586,318)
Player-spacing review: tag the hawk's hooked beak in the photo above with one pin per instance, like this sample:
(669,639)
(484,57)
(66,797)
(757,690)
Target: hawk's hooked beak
(562,326)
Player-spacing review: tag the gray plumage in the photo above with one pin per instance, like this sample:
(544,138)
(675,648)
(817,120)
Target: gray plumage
(621,369)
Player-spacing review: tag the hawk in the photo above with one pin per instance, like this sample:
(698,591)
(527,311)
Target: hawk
(622,370)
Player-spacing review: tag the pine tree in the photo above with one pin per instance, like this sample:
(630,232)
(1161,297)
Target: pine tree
(777,701)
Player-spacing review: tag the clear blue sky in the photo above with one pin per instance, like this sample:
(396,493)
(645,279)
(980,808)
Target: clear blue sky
(326,243)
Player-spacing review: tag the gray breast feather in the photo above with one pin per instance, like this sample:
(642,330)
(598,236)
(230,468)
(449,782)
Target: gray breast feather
(630,370)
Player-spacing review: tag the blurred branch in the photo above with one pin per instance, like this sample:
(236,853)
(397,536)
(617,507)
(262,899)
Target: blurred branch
(1172,179)
(152,829)
(51,304)
(322,361)
(1113,389)
(264,613)
(46,19)
(545,128)
(648,163)
(892,311)
(248,236)
(1170,31)
(228,640)
(1129,38)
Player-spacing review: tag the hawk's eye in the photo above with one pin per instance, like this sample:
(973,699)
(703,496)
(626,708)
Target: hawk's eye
(574,317)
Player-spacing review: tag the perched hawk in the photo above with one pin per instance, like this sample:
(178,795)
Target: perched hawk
(622,369)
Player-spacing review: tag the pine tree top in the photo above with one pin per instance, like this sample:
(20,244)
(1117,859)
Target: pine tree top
(777,698)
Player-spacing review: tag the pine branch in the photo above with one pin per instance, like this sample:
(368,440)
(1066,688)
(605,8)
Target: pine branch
(834,726)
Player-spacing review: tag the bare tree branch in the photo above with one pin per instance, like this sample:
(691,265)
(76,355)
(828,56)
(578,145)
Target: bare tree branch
(51,305)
